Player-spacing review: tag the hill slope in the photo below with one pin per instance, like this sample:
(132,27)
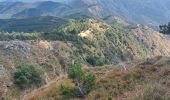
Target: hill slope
(91,41)
(147,80)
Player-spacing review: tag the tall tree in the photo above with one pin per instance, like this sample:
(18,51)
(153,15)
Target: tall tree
(84,82)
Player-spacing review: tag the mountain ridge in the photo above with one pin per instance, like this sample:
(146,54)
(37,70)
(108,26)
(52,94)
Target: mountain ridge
(150,12)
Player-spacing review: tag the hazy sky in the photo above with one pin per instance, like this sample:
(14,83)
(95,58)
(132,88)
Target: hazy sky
(32,0)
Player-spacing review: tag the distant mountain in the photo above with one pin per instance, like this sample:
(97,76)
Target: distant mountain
(151,12)
(20,9)
(138,11)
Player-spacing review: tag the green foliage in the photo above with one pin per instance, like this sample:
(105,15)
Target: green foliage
(28,75)
(31,24)
(75,71)
(68,31)
(84,82)
(67,92)
(165,29)
(105,47)
(89,82)
(20,36)
(95,61)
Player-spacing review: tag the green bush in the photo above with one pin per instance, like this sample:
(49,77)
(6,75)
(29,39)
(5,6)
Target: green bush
(28,75)
(75,72)
(84,82)
(89,83)
(67,92)
(96,61)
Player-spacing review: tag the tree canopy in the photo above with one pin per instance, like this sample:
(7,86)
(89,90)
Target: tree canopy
(84,82)
(165,29)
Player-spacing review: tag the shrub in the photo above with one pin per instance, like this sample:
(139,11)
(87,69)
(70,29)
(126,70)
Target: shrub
(67,92)
(28,75)
(84,82)
(95,61)
(75,72)
(89,83)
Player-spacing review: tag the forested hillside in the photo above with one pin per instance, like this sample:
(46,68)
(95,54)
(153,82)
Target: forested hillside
(31,24)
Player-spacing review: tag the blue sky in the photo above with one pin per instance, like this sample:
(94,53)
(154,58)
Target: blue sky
(32,0)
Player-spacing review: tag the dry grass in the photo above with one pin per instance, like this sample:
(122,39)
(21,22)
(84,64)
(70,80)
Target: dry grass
(152,92)
(119,84)
(132,83)
(50,92)
(115,83)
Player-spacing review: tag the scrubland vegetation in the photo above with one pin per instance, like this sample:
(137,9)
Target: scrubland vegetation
(28,75)
(77,50)
(144,82)
(50,65)
(96,50)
